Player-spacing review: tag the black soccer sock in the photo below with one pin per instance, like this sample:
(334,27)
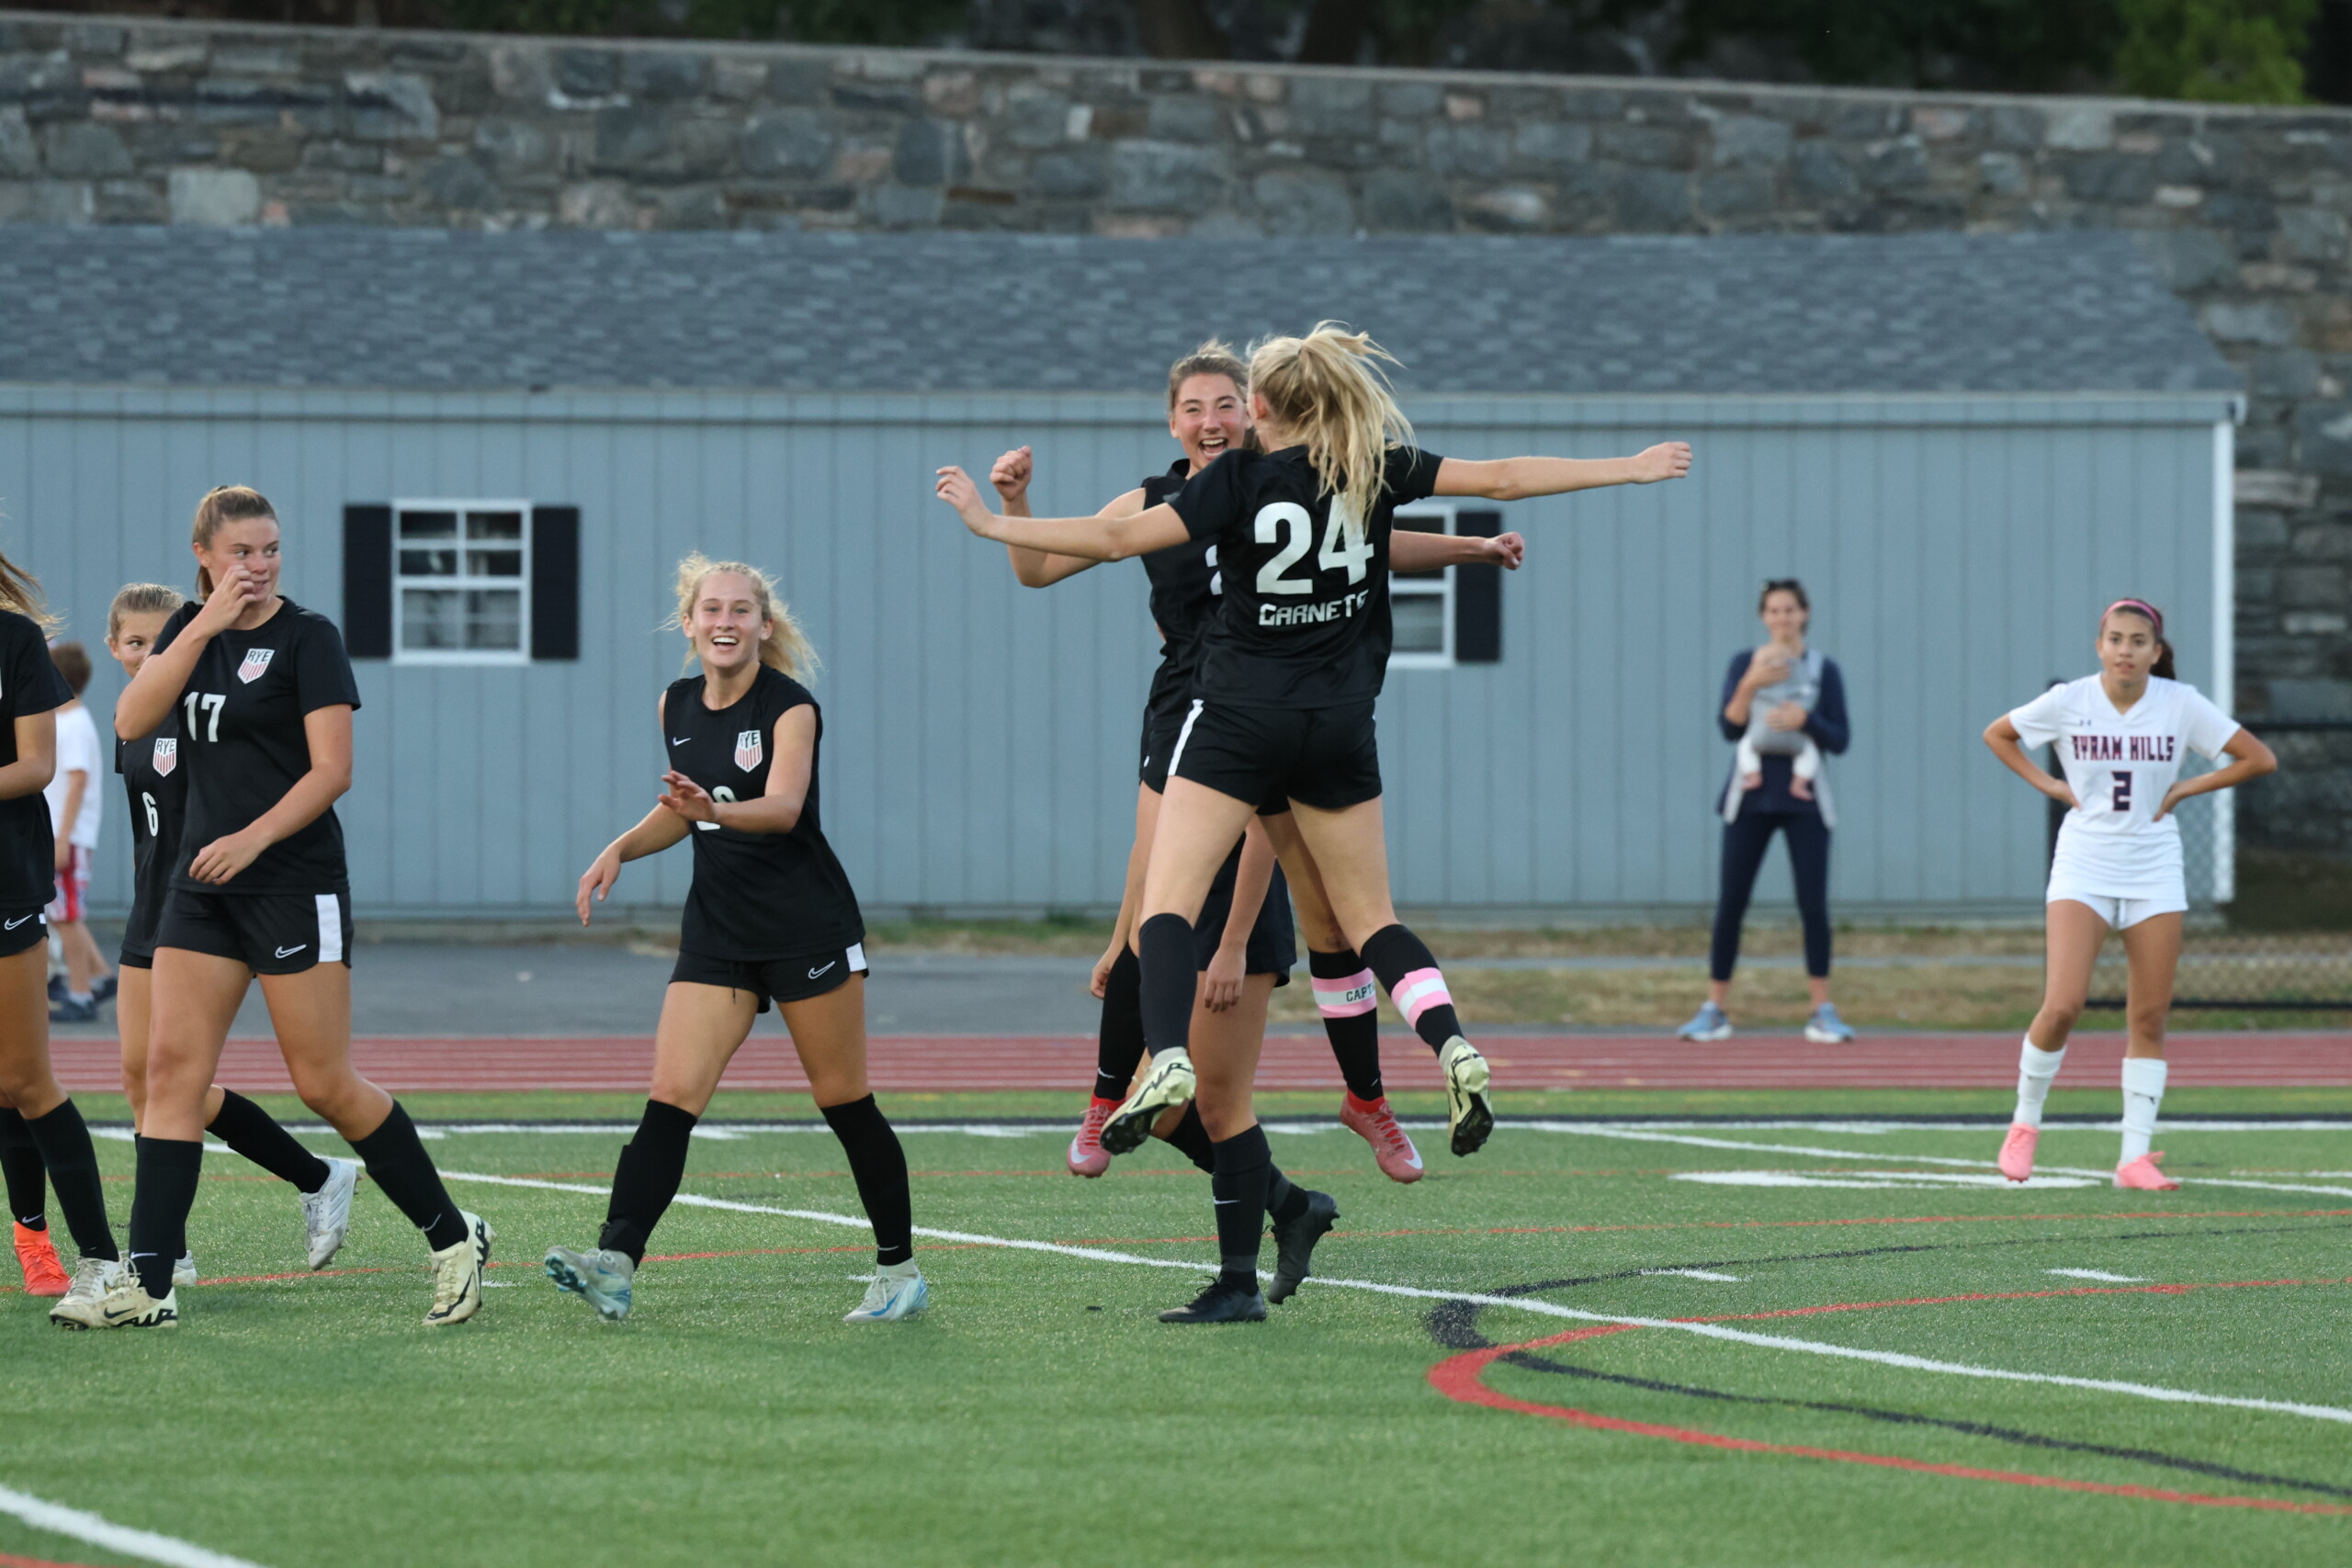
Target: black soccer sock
(1343,994)
(652,1164)
(1286,1199)
(397,1162)
(1119,1046)
(1191,1139)
(879,1166)
(27,1178)
(1407,967)
(252,1131)
(1238,1185)
(168,1168)
(73,1161)
(1172,978)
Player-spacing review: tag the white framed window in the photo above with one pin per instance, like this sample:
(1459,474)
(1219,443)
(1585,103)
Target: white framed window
(1420,604)
(461,581)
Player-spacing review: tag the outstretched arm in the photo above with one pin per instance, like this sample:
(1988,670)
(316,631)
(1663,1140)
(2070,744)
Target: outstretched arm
(1095,539)
(1516,478)
(1036,569)
(1409,550)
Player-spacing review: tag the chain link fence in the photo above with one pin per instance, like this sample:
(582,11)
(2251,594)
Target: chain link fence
(2269,871)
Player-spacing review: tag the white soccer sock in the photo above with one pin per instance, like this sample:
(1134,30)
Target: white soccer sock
(2036,1067)
(2143,1090)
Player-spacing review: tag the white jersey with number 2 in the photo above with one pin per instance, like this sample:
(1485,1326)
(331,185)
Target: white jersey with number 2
(2119,765)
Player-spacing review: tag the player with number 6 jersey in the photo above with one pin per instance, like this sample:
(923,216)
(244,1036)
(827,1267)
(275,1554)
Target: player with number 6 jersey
(2121,737)
(264,696)
(1290,670)
(770,918)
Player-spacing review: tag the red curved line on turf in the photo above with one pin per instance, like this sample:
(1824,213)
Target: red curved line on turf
(9,1561)
(1463,1379)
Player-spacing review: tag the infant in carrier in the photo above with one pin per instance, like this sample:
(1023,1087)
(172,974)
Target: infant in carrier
(1800,683)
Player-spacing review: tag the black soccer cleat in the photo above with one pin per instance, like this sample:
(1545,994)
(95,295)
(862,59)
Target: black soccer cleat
(1221,1303)
(1294,1244)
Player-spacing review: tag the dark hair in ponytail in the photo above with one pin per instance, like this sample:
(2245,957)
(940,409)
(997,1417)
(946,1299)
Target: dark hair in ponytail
(2163,667)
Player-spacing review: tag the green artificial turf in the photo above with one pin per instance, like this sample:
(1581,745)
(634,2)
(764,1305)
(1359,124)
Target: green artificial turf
(1039,1415)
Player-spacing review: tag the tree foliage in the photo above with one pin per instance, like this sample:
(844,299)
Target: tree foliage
(2246,52)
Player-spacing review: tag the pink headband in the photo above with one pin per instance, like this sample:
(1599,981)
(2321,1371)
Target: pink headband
(2143,607)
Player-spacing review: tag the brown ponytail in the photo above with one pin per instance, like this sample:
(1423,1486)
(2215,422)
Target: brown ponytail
(19,591)
(2162,666)
(225,503)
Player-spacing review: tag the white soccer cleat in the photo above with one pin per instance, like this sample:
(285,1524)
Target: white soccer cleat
(457,1274)
(1167,1081)
(892,1296)
(326,1213)
(1467,1116)
(603,1279)
(183,1271)
(108,1295)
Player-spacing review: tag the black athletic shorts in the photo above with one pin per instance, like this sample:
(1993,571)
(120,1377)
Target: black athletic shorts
(1274,941)
(1326,757)
(24,929)
(1164,736)
(270,933)
(773,979)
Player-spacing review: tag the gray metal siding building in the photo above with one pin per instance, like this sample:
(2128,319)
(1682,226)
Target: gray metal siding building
(1965,446)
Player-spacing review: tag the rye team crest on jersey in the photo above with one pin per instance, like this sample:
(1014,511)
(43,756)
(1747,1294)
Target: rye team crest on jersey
(748,750)
(167,756)
(256,664)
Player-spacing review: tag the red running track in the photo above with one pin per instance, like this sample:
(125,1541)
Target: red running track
(1521,1061)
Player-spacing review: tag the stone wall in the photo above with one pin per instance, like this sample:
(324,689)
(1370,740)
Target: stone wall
(2247,211)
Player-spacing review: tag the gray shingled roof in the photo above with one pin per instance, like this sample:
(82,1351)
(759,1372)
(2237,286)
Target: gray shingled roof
(429,310)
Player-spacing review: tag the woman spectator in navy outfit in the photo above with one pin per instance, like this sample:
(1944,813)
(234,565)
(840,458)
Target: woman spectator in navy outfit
(1785,707)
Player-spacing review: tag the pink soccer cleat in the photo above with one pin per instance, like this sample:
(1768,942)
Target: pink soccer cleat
(2142,1174)
(36,1255)
(2017,1151)
(1371,1120)
(1087,1155)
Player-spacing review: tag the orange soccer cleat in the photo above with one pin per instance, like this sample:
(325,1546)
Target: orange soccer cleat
(2143,1174)
(36,1255)
(1087,1155)
(1371,1120)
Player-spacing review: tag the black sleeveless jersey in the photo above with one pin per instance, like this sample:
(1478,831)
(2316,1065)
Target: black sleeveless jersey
(1304,618)
(755,896)
(29,685)
(243,743)
(1184,586)
(157,785)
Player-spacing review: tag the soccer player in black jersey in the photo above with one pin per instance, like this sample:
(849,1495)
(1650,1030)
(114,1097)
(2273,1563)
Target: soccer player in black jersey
(36,1118)
(1290,670)
(769,918)
(1209,415)
(157,786)
(264,695)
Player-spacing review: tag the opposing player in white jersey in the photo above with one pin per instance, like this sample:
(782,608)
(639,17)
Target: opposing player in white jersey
(2121,736)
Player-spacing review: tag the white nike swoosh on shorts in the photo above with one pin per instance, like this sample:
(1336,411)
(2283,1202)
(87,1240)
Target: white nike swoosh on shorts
(291,952)
(813,973)
(19,921)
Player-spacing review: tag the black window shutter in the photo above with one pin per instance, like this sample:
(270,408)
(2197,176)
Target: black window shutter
(555,583)
(1479,597)
(368,581)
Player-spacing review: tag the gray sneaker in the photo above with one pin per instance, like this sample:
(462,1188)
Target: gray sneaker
(1826,1028)
(1710,1023)
(602,1278)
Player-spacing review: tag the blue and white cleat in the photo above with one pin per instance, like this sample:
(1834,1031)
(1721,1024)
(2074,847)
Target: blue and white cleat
(603,1278)
(1710,1023)
(1826,1028)
(898,1290)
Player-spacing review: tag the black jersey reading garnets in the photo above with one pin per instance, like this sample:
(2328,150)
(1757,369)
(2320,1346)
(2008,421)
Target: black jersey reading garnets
(755,896)
(1184,582)
(1306,616)
(244,746)
(157,785)
(29,685)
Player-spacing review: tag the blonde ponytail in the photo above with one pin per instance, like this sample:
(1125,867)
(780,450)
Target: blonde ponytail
(225,503)
(1329,389)
(21,593)
(786,649)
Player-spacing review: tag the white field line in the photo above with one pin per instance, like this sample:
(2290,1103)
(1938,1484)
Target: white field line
(1647,1135)
(147,1544)
(1302,1128)
(2098,1274)
(1519,1304)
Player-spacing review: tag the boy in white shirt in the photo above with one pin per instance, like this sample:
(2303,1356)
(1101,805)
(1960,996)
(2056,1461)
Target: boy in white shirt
(75,804)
